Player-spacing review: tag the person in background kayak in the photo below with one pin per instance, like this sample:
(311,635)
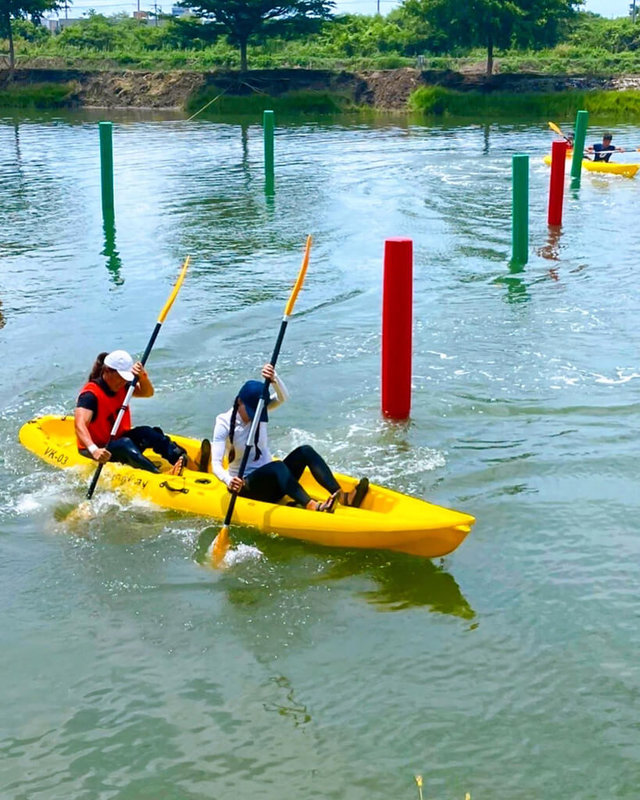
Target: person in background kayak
(98,405)
(599,150)
(265,479)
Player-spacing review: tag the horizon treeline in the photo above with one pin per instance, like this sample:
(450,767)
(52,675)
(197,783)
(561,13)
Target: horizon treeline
(577,43)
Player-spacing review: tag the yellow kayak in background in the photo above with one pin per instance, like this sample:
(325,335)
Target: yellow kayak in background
(386,520)
(628,170)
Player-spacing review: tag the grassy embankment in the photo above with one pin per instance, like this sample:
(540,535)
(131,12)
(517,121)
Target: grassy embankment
(426,101)
(434,100)
(51,96)
(42,96)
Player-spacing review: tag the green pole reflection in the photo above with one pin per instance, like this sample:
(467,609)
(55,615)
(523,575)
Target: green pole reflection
(113,262)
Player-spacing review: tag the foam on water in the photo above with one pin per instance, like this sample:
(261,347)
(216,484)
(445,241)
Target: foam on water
(242,553)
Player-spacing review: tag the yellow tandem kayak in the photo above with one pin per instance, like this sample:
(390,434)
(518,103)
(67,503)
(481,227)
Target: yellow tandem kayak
(628,170)
(386,520)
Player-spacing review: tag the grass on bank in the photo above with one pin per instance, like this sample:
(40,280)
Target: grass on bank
(434,100)
(42,95)
(427,100)
(219,56)
(561,60)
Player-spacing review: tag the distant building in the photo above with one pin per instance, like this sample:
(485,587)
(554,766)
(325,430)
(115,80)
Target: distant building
(178,11)
(56,25)
(154,17)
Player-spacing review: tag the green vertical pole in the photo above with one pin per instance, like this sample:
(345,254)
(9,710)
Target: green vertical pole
(520,209)
(582,120)
(106,168)
(268,124)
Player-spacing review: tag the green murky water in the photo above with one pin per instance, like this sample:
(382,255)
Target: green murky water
(508,669)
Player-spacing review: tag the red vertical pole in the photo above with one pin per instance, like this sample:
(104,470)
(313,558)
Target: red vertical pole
(556,183)
(397,323)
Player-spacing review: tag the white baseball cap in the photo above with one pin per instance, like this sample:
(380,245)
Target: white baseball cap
(122,362)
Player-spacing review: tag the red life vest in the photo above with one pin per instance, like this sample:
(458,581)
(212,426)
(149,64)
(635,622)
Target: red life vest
(108,407)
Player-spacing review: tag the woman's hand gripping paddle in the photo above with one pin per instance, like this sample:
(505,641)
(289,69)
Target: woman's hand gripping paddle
(80,511)
(221,542)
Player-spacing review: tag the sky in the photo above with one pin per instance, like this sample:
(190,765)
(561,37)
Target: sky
(608,8)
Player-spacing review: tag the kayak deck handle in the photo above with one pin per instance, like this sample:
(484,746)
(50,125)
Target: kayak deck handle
(166,485)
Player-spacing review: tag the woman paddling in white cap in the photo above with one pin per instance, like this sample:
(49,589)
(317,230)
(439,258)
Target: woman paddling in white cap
(97,407)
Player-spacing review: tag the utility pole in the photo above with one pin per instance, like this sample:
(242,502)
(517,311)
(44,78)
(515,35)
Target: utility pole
(632,10)
(378,7)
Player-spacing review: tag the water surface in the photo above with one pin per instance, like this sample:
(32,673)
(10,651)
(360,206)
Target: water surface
(508,669)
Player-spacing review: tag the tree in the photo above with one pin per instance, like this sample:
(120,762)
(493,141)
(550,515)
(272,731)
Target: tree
(492,23)
(244,20)
(21,9)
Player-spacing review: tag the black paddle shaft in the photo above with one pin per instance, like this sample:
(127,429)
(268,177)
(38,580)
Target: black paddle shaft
(132,386)
(258,414)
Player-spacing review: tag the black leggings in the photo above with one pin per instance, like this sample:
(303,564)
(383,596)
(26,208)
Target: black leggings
(271,482)
(128,449)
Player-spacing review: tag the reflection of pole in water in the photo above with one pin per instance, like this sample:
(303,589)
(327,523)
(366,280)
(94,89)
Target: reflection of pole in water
(16,134)
(2,321)
(114,263)
(551,249)
(516,287)
(244,137)
(270,203)
(486,130)
(268,125)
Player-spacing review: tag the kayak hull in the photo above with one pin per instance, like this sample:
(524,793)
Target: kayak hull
(627,170)
(386,520)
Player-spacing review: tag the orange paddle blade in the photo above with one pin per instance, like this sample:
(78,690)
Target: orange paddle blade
(556,129)
(300,280)
(175,291)
(220,547)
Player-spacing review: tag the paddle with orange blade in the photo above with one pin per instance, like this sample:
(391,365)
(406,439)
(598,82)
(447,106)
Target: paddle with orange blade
(557,130)
(221,542)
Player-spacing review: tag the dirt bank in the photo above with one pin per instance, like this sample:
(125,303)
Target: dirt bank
(382,89)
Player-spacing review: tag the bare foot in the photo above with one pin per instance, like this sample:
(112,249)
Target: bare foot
(177,468)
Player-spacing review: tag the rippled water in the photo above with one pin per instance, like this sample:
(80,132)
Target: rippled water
(508,669)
